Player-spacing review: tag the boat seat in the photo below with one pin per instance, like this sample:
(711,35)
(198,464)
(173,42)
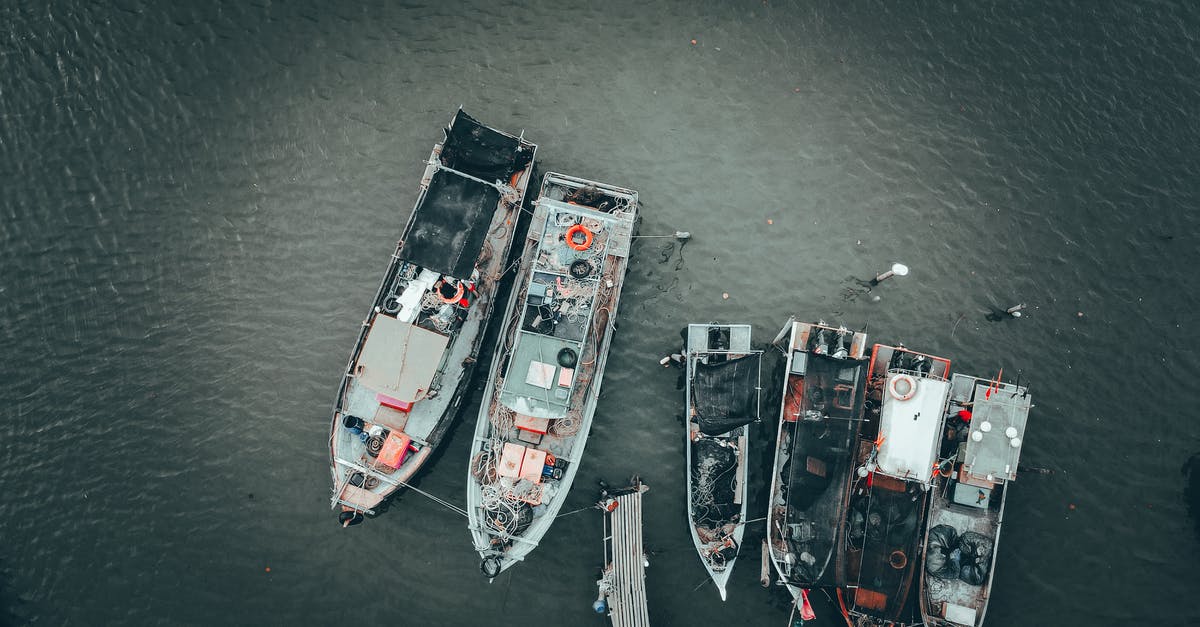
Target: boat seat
(529,437)
(530,423)
(393,419)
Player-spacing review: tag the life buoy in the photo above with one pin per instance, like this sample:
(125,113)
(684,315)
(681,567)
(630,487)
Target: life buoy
(902,387)
(458,294)
(587,237)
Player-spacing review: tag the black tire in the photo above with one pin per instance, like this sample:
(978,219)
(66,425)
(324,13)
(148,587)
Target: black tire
(567,358)
(490,566)
(580,268)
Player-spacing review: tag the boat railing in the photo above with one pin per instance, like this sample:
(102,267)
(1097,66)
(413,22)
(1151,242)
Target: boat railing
(916,373)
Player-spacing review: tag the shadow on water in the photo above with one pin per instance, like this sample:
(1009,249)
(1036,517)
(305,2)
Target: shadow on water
(1191,490)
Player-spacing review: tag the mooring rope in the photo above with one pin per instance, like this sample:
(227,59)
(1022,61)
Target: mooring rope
(444,503)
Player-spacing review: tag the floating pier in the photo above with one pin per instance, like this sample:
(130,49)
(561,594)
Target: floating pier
(623,583)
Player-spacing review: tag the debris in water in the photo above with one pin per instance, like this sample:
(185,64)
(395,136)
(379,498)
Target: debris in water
(725,295)
(693,42)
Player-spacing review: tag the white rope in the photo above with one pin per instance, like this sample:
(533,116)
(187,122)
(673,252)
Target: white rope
(444,503)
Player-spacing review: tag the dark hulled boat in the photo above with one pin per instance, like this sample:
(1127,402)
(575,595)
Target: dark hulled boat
(414,356)
(893,469)
(824,383)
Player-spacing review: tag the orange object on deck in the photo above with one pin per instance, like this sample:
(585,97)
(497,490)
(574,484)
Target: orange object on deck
(394,403)
(529,423)
(394,450)
(531,467)
(510,460)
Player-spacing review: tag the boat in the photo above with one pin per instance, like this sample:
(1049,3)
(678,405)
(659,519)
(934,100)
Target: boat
(411,365)
(549,362)
(823,389)
(985,425)
(723,398)
(890,479)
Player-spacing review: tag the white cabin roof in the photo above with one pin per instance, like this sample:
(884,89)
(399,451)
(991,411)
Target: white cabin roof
(912,429)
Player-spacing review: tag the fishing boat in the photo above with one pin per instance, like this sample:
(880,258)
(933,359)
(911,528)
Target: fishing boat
(823,388)
(723,398)
(890,479)
(411,365)
(545,378)
(985,424)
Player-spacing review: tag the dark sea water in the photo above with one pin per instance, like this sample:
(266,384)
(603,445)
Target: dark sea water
(197,201)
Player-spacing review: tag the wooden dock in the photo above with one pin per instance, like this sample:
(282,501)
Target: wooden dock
(623,583)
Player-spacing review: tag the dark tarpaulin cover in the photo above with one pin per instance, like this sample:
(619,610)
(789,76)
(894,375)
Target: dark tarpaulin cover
(725,394)
(484,153)
(447,230)
(832,391)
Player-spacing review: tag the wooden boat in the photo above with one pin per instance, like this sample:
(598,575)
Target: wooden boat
(893,470)
(723,398)
(411,365)
(985,424)
(824,383)
(545,378)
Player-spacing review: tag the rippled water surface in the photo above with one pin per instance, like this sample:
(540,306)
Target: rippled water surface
(197,201)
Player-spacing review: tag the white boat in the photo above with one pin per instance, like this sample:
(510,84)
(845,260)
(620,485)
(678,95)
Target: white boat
(723,398)
(985,425)
(545,378)
(415,353)
(823,392)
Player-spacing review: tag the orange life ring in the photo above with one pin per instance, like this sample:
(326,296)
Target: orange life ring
(587,237)
(453,299)
(908,392)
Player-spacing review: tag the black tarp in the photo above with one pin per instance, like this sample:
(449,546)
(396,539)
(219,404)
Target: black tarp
(819,464)
(725,394)
(484,153)
(449,226)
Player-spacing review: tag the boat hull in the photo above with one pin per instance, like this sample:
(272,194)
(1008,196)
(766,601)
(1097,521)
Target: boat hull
(366,411)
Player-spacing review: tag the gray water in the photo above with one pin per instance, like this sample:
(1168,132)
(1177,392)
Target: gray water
(197,203)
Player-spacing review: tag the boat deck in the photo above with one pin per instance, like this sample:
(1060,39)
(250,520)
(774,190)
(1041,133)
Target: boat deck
(545,380)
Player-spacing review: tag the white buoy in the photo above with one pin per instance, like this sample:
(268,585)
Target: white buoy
(1015,442)
(976,436)
(898,269)
(1010,432)
(985,426)
(862,471)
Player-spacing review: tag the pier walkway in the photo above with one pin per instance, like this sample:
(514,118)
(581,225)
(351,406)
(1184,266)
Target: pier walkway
(623,583)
